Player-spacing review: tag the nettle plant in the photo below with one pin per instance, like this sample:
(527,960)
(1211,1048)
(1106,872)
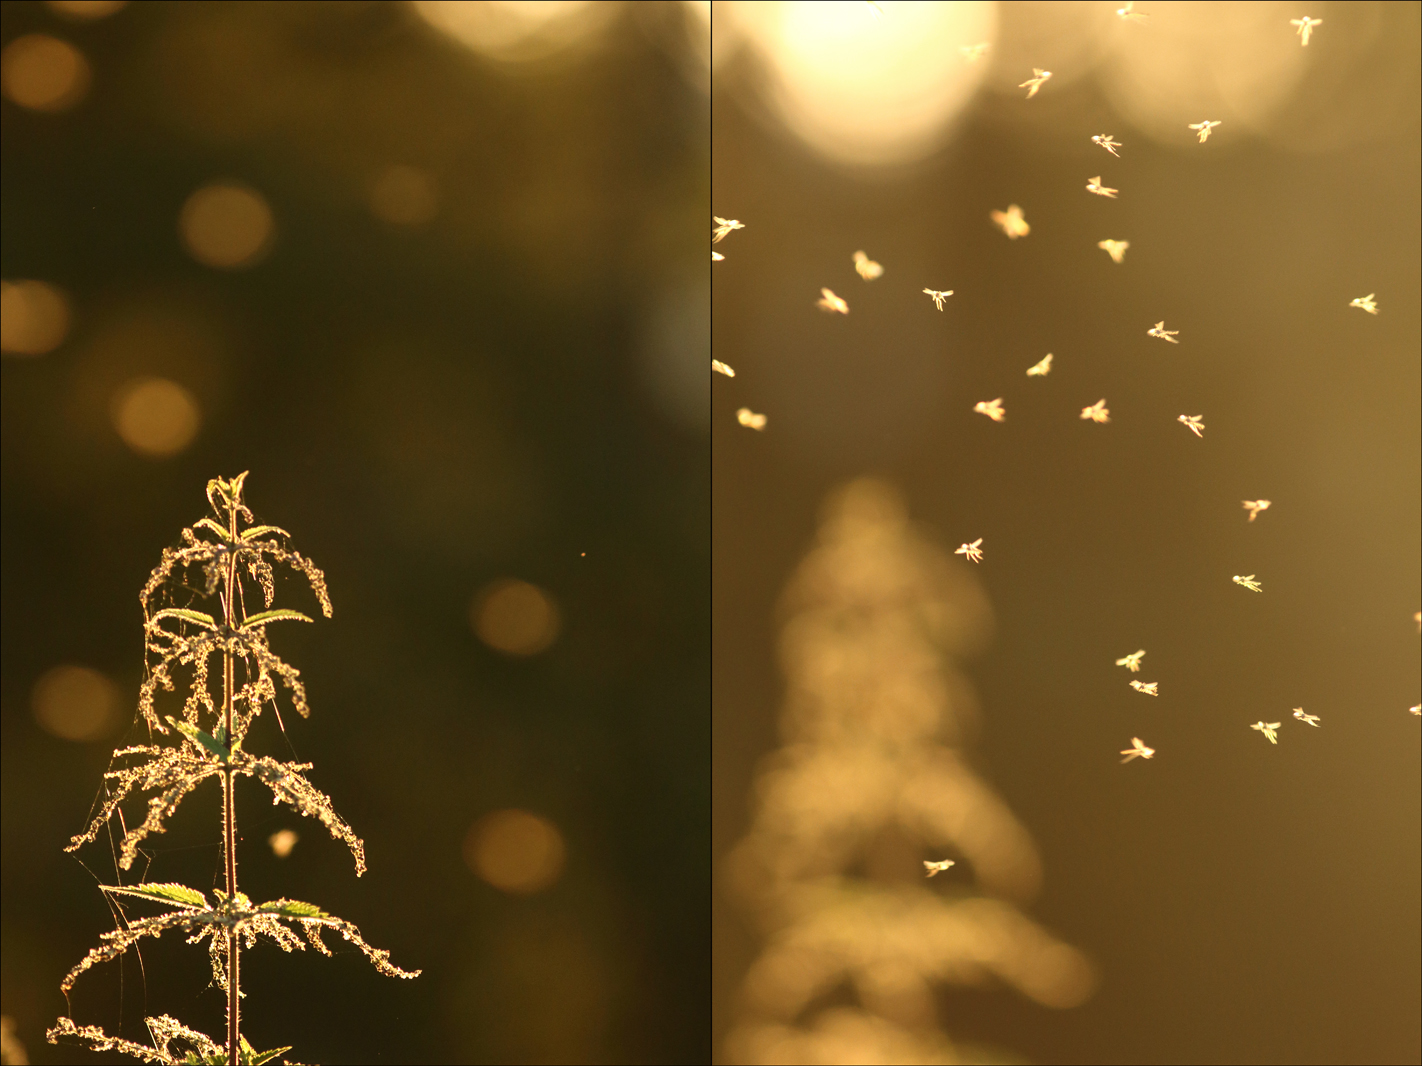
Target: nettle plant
(207,742)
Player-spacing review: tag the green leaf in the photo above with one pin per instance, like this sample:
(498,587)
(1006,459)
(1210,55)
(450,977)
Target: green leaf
(192,732)
(208,523)
(292,908)
(257,531)
(163,893)
(252,1057)
(279,615)
(196,617)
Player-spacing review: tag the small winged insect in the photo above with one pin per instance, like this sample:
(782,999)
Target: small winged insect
(1159,330)
(1203,128)
(748,418)
(1248,582)
(939,296)
(1132,662)
(1036,81)
(1108,141)
(1137,750)
(723,227)
(1115,249)
(1041,368)
(973,551)
(866,267)
(1305,27)
(1094,185)
(1365,303)
(717,257)
(1254,507)
(1011,222)
(1269,729)
(1097,412)
(830,302)
(1193,424)
(1416,710)
(1127,14)
(722,368)
(991,408)
(933,868)
(1148,689)
(1311,719)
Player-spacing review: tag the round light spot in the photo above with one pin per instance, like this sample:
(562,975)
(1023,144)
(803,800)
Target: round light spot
(515,851)
(282,842)
(34,317)
(155,416)
(403,196)
(515,617)
(87,10)
(43,73)
(226,225)
(76,703)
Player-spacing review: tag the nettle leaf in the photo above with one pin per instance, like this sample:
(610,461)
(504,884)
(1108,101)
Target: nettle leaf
(208,523)
(196,617)
(182,895)
(279,615)
(192,732)
(257,531)
(292,908)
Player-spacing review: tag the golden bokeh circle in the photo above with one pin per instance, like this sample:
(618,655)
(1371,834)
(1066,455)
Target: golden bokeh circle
(226,225)
(43,73)
(515,617)
(34,317)
(75,703)
(155,416)
(515,851)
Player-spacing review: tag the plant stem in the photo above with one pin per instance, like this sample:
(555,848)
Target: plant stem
(229,810)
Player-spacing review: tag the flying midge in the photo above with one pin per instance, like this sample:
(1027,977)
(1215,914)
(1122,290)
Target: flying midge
(1365,303)
(1115,249)
(1126,14)
(1254,507)
(1148,689)
(1137,749)
(723,227)
(991,408)
(866,267)
(973,551)
(1132,662)
(939,297)
(748,418)
(1193,424)
(830,302)
(1269,729)
(937,867)
(1108,141)
(1305,27)
(1038,79)
(1248,582)
(722,368)
(1159,330)
(1094,185)
(1311,719)
(1042,368)
(716,257)
(1011,222)
(1097,412)
(1203,129)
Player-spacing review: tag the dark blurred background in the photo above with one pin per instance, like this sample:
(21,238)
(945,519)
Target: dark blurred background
(1243,903)
(435,274)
